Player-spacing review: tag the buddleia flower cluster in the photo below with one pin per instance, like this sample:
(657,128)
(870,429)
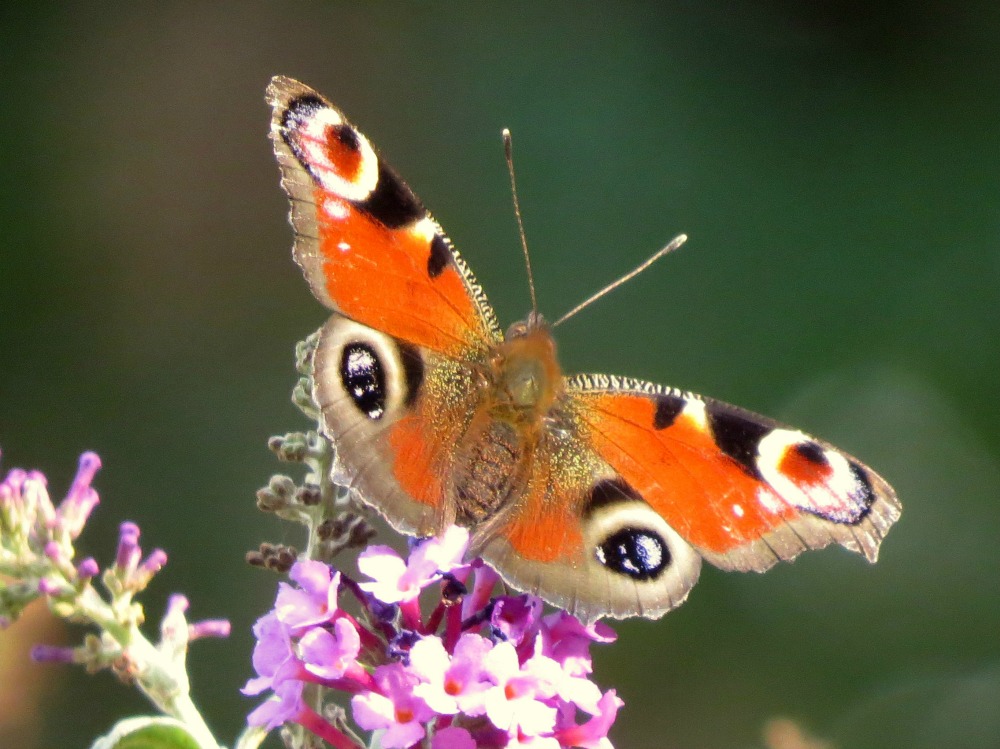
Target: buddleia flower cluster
(473,670)
(423,652)
(38,562)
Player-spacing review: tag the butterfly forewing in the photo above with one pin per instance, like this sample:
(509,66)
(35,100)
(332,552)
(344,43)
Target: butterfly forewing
(744,490)
(365,242)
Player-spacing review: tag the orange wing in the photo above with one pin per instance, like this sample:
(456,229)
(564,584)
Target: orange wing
(580,539)
(394,411)
(742,489)
(366,244)
(394,367)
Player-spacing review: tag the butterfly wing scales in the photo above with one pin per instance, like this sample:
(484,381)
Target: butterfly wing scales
(365,242)
(553,539)
(744,490)
(395,450)
(406,306)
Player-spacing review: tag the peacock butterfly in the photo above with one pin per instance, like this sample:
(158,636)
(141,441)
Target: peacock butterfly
(602,494)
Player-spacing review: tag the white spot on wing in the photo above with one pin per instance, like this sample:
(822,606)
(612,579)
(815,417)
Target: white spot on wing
(312,138)
(425,228)
(833,497)
(694,409)
(336,209)
(767,499)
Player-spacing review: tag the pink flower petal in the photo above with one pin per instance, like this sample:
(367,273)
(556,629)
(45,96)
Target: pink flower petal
(594,733)
(330,655)
(314,601)
(453,738)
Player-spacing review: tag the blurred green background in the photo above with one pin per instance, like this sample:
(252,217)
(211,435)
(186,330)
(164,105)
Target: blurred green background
(836,164)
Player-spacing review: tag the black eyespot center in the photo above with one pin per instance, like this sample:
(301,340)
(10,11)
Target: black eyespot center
(348,137)
(638,553)
(363,378)
(812,452)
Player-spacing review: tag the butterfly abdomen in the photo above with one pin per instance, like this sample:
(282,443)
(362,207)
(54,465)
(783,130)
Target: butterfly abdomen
(496,453)
(492,467)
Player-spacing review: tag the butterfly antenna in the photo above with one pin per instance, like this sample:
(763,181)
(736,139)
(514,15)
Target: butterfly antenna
(673,245)
(508,154)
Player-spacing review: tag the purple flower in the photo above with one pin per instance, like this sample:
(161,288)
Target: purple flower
(452,684)
(209,628)
(453,738)
(271,654)
(331,655)
(567,640)
(27,512)
(517,618)
(395,581)
(128,554)
(285,708)
(482,590)
(53,654)
(394,708)
(516,702)
(476,671)
(81,498)
(133,572)
(314,601)
(288,707)
(594,733)
(87,568)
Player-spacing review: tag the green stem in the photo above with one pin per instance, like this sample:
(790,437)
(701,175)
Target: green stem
(162,680)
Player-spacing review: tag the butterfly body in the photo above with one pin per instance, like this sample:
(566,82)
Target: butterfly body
(520,389)
(602,494)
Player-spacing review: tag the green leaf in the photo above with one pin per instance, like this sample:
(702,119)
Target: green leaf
(148,732)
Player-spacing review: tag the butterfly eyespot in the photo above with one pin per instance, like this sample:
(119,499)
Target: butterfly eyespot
(812,452)
(364,379)
(635,552)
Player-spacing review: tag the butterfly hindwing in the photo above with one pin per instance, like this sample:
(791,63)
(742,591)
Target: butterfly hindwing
(582,539)
(395,412)
(742,489)
(365,242)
